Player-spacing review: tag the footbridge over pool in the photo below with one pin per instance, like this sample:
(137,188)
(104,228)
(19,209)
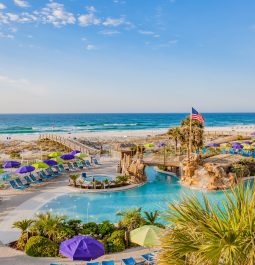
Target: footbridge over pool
(69,143)
(172,163)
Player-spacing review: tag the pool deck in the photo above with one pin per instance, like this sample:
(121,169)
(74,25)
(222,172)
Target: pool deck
(17,205)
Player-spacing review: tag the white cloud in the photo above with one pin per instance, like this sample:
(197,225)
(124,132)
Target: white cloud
(21,84)
(143,32)
(90,47)
(21,3)
(54,13)
(89,19)
(91,9)
(114,22)
(2,6)
(109,32)
(6,36)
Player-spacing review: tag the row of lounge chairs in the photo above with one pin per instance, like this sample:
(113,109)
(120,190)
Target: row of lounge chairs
(147,259)
(50,173)
(245,153)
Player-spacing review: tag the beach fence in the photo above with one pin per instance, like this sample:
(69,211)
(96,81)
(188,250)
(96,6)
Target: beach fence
(227,133)
(71,144)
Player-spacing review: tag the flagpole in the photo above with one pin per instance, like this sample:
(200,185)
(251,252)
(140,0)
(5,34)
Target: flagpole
(190,132)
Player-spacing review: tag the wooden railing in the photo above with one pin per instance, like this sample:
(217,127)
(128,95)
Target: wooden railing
(70,143)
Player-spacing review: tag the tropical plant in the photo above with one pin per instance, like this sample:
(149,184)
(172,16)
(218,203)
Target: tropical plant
(131,218)
(121,179)
(209,233)
(105,228)
(39,246)
(117,239)
(74,179)
(240,170)
(175,133)
(90,228)
(152,217)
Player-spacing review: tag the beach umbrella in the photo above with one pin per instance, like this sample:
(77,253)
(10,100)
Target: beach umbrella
(225,145)
(11,164)
(253,134)
(146,236)
(82,248)
(248,147)
(213,145)
(74,152)
(40,165)
(55,154)
(237,146)
(161,144)
(25,169)
(247,142)
(149,145)
(81,155)
(50,162)
(58,160)
(67,157)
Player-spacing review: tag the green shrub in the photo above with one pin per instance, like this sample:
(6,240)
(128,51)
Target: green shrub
(39,246)
(90,228)
(164,168)
(75,225)
(106,228)
(240,170)
(117,239)
(121,179)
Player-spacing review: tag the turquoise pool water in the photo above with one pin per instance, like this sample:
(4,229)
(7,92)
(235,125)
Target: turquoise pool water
(160,190)
(97,177)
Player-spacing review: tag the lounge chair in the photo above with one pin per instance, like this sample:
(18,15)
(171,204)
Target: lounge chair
(43,176)
(149,258)
(84,175)
(51,172)
(96,162)
(131,261)
(35,179)
(70,167)
(21,184)
(92,263)
(107,262)
(87,163)
(30,181)
(61,168)
(75,164)
(15,186)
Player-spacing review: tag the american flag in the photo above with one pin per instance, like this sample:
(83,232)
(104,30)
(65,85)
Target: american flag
(196,116)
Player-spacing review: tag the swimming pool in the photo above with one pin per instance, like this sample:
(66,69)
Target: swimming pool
(154,195)
(98,177)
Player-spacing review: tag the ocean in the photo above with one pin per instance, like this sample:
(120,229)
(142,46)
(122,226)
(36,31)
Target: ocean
(63,123)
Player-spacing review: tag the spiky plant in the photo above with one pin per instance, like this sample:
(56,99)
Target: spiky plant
(152,217)
(74,179)
(207,233)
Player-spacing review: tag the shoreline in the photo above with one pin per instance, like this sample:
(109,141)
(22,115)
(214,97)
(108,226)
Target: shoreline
(123,133)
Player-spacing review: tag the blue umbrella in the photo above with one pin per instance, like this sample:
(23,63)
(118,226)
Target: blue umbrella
(74,152)
(213,145)
(67,157)
(11,164)
(161,144)
(237,146)
(25,169)
(50,162)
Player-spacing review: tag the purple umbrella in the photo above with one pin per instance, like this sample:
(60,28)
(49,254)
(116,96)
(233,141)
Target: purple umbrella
(237,146)
(10,164)
(50,162)
(161,144)
(74,152)
(25,169)
(67,157)
(82,248)
(247,142)
(253,134)
(213,145)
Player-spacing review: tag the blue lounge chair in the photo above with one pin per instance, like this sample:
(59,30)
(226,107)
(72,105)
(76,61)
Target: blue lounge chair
(70,167)
(92,263)
(49,172)
(149,258)
(35,179)
(96,162)
(131,261)
(84,175)
(15,186)
(43,176)
(87,163)
(21,184)
(30,181)
(108,262)
(61,168)
(75,165)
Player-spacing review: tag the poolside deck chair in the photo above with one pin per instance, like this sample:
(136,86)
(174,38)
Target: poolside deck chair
(84,175)
(42,176)
(51,172)
(70,167)
(61,168)
(30,181)
(21,184)
(87,163)
(75,164)
(107,262)
(131,261)
(15,186)
(149,258)
(96,162)
(35,179)
(92,263)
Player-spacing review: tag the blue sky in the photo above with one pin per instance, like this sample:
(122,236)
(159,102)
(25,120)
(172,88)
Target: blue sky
(127,55)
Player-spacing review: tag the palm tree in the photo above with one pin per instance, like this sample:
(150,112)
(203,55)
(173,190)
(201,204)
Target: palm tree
(74,179)
(131,219)
(174,133)
(207,233)
(151,218)
(23,225)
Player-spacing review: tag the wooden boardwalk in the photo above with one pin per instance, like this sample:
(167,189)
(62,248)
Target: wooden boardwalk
(69,143)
